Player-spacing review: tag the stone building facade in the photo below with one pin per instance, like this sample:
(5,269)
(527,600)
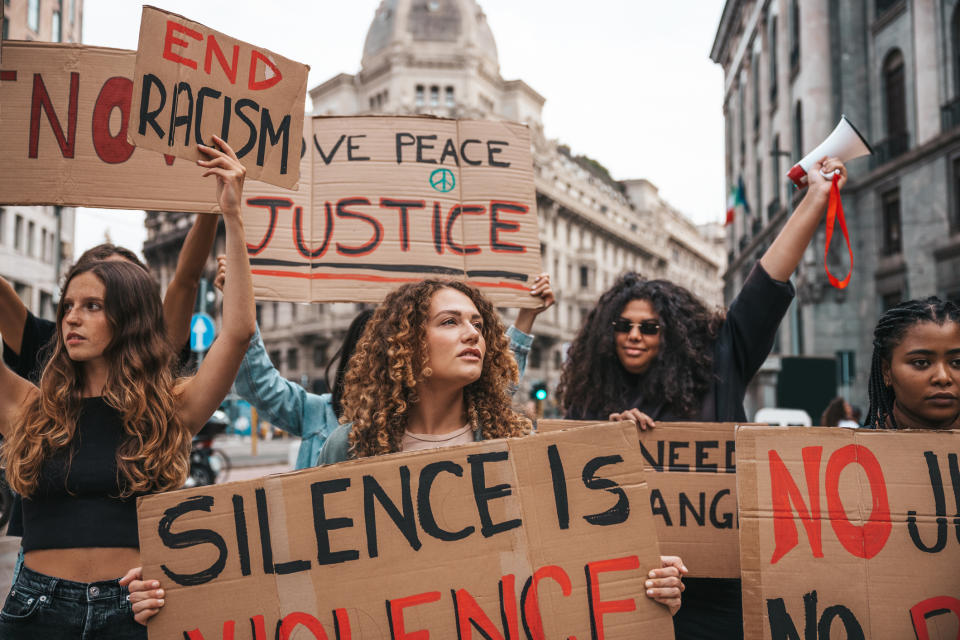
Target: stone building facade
(893,67)
(439,57)
(35,242)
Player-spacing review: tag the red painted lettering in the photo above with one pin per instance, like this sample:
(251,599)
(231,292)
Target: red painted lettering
(255,85)
(598,607)
(531,604)
(259,630)
(784,490)
(274,205)
(41,100)
(923,611)
(470,615)
(115,94)
(395,615)
(298,618)
(170,40)
(341,624)
(868,540)
(214,49)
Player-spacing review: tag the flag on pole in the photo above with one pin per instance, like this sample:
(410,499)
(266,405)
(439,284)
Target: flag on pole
(736,198)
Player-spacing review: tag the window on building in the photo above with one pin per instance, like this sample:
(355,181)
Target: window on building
(73,12)
(758,180)
(47,310)
(536,354)
(895,103)
(846,367)
(434,96)
(43,245)
(890,300)
(892,232)
(419,95)
(955,222)
(293,358)
(797,132)
(775,169)
(318,356)
(275,358)
(448,97)
(373,103)
(794,35)
(955,51)
(741,113)
(259,308)
(33,15)
(55,34)
(584,277)
(755,79)
(3,226)
(6,28)
(772,58)
(18,233)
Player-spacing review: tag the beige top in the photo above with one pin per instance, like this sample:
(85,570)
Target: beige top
(418,441)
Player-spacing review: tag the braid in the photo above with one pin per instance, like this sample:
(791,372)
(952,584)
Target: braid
(891,327)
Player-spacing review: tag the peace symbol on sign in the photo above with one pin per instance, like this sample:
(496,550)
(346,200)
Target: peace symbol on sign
(442,180)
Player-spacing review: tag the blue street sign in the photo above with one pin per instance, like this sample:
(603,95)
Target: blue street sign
(202,332)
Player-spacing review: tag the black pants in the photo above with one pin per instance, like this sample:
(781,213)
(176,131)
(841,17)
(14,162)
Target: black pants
(711,609)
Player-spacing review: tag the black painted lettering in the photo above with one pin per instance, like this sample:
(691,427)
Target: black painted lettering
(674,448)
(351,147)
(240,524)
(271,136)
(494,148)
(421,147)
(404,519)
(322,525)
(327,159)
(483,494)
(151,82)
(463,152)
(559,487)
(251,142)
(403,140)
(620,511)
(656,463)
(731,457)
(658,506)
(727,521)
(202,94)
(425,509)
(449,149)
(498,226)
(177,120)
(191,538)
(939,500)
(687,505)
(403,207)
(702,454)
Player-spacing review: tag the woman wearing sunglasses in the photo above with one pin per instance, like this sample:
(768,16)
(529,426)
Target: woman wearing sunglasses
(650,351)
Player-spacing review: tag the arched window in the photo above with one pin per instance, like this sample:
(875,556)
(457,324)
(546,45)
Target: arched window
(895,103)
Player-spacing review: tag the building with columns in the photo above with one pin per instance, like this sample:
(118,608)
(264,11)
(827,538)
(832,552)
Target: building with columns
(35,242)
(893,67)
(439,57)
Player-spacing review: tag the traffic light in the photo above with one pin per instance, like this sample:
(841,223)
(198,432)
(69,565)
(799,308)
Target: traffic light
(538,391)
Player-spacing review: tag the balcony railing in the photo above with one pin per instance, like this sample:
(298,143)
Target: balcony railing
(950,114)
(890,148)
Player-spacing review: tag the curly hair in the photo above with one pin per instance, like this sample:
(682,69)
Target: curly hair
(154,453)
(891,327)
(392,357)
(834,413)
(595,384)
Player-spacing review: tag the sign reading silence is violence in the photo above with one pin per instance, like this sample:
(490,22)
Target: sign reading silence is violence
(849,534)
(191,82)
(547,536)
(381,200)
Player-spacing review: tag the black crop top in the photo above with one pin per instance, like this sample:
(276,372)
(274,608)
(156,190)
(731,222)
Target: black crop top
(89,514)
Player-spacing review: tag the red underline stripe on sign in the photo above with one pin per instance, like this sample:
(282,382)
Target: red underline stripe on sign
(8,76)
(368,278)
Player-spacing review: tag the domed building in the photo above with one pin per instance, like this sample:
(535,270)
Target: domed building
(439,57)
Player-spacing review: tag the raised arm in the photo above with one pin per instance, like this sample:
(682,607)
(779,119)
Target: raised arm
(13,315)
(182,292)
(203,393)
(786,251)
(15,392)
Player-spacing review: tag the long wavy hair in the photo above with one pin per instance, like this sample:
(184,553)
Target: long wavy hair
(154,452)
(392,357)
(342,358)
(594,383)
(889,332)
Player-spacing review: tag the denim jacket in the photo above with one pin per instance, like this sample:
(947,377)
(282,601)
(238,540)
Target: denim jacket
(290,407)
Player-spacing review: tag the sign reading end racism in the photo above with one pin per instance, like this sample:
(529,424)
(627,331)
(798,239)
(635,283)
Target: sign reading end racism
(191,82)
(849,534)
(546,536)
(388,200)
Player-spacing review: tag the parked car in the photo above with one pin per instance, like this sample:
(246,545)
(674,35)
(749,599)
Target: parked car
(775,416)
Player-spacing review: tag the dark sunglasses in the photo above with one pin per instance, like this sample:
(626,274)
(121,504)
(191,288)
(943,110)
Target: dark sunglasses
(647,327)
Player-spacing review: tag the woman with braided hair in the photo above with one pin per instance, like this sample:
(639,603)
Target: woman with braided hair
(650,351)
(915,370)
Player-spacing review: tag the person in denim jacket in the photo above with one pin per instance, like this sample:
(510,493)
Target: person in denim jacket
(313,417)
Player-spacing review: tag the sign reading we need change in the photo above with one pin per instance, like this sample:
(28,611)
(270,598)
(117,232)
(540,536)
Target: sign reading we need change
(191,82)
(388,200)
(545,536)
(849,533)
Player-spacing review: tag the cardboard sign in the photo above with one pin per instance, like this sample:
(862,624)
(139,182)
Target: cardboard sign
(64,113)
(538,535)
(191,82)
(388,200)
(849,533)
(691,469)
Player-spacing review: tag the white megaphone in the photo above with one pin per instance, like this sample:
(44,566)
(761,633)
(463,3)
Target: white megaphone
(844,143)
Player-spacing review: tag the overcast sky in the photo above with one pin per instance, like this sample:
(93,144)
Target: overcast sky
(627,82)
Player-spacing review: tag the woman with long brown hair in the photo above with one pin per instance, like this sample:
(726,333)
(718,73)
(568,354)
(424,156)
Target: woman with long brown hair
(109,422)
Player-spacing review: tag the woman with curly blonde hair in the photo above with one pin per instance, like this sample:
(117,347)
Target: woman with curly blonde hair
(109,422)
(433,368)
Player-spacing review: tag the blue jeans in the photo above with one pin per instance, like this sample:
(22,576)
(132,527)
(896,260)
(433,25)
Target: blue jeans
(41,606)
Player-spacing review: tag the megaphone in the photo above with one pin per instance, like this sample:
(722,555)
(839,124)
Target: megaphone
(844,143)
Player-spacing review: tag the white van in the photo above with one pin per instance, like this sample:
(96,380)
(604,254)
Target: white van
(783,417)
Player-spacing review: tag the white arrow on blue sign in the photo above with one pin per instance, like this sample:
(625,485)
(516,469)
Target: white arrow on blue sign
(202,332)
